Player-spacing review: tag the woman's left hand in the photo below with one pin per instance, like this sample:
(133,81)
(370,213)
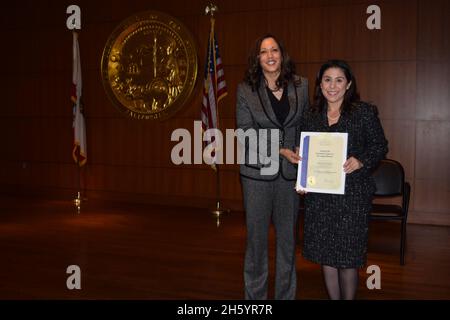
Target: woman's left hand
(352,164)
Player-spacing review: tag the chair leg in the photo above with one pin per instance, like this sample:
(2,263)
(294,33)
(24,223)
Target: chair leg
(403,242)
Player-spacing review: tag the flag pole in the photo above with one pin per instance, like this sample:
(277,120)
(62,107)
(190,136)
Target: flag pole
(218,211)
(77,200)
(76,98)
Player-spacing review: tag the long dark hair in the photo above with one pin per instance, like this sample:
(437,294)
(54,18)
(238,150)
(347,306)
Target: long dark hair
(254,71)
(351,97)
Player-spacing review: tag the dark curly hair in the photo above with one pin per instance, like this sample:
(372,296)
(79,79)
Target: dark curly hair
(254,72)
(351,97)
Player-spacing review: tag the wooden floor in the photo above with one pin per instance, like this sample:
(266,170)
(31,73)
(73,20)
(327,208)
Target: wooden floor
(130,251)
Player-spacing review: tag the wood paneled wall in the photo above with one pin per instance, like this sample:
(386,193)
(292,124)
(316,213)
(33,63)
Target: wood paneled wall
(404,68)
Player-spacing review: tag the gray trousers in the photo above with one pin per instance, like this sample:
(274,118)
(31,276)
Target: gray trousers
(266,201)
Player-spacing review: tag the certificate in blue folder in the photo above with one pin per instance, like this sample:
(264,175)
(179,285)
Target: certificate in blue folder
(321,168)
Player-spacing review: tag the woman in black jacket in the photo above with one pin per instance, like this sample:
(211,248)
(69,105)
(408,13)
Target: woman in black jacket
(336,226)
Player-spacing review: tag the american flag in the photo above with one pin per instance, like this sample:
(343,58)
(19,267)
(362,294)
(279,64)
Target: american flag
(79,152)
(214,89)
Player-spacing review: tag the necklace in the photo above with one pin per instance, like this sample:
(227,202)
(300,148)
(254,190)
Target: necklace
(274,90)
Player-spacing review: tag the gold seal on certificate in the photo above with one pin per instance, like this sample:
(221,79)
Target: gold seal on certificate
(323,156)
(311,180)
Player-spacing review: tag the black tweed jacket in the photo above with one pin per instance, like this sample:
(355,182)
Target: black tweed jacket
(366,139)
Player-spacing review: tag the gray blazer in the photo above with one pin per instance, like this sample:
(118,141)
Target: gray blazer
(254,111)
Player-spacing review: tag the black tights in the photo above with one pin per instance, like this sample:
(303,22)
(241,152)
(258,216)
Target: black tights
(340,283)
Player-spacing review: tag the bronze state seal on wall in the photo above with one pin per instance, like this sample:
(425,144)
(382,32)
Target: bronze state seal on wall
(149,65)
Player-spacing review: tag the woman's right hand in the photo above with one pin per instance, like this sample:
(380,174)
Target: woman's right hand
(301,192)
(290,155)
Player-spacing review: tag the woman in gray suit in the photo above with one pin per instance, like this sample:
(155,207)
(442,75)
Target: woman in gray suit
(270,104)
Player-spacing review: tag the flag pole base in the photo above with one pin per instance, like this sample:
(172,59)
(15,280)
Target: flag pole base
(77,202)
(218,212)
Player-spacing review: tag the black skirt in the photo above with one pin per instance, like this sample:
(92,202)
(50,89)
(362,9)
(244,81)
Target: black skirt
(336,226)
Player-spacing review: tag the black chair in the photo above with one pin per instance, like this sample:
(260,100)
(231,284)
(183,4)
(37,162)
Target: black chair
(390,182)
